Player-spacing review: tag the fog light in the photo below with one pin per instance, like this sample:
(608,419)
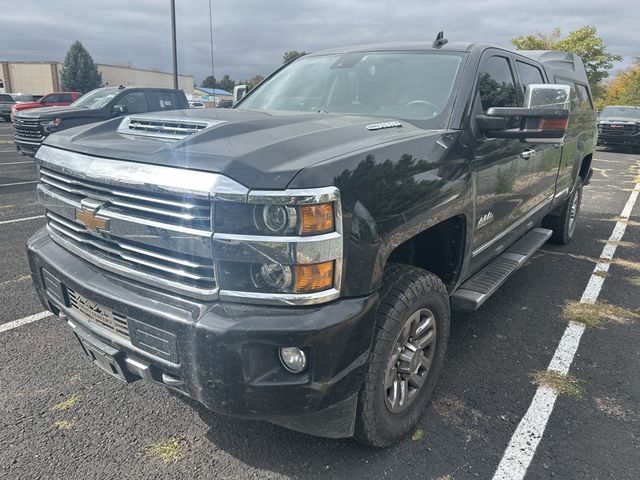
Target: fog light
(293,359)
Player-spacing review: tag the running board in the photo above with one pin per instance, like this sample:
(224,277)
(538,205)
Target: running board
(475,291)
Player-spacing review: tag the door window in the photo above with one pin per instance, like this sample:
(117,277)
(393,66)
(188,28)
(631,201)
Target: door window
(496,85)
(164,101)
(65,98)
(529,74)
(584,100)
(51,99)
(136,102)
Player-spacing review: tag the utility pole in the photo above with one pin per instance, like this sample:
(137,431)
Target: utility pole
(173,44)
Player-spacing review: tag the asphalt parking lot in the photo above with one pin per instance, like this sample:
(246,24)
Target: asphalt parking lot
(61,417)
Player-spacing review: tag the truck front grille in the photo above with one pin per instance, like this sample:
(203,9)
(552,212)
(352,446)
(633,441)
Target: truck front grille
(132,256)
(618,129)
(29,130)
(174,209)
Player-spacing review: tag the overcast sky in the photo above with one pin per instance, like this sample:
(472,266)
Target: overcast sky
(250,36)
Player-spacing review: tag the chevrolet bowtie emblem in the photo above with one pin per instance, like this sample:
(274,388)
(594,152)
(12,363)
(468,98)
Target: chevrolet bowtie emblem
(91,220)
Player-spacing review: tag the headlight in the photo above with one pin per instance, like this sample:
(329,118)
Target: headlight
(279,247)
(51,123)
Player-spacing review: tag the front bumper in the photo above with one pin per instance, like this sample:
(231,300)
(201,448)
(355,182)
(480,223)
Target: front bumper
(223,355)
(619,140)
(27,146)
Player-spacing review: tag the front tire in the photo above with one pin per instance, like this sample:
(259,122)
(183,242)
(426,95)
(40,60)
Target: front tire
(564,225)
(412,331)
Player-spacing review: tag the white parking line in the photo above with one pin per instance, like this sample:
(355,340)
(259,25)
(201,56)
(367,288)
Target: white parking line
(23,321)
(15,163)
(3,222)
(525,440)
(17,183)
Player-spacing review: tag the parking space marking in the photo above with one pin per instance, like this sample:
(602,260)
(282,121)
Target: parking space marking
(524,442)
(25,219)
(24,321)
(14,163)
(17,183)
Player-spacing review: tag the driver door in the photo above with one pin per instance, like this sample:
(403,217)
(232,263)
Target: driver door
(502,165)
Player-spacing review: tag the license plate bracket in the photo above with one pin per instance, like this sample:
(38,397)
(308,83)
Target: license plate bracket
(103,355)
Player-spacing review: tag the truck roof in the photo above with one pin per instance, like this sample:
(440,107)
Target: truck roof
(391,46)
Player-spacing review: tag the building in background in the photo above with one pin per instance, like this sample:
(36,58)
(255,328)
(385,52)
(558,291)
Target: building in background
(44,77)
(207,95)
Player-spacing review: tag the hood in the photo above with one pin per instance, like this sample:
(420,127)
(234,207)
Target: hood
(47,113)
(27,105)
(258,149)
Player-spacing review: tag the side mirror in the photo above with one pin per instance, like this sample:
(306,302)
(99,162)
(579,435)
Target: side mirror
(544,118)
(239,91)
(119,110)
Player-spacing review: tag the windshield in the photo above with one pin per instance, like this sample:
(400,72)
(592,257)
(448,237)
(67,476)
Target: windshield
(403,85)
(96,99)
(620,112)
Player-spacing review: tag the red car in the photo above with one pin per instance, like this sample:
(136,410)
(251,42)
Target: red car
(57,99)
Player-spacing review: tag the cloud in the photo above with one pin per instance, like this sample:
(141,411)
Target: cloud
(250,36)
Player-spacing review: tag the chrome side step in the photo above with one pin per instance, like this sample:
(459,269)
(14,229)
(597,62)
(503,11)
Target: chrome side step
(475,291)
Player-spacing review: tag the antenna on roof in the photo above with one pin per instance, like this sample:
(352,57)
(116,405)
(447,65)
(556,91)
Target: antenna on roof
(440,40)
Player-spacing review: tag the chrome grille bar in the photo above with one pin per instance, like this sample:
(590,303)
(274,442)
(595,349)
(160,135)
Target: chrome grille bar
(194,214)
(157,262)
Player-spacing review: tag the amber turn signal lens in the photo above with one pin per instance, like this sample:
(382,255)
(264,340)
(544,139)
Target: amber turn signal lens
(553,124)
(313,277)
(316,219)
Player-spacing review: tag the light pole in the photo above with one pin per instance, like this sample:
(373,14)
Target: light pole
(174,53)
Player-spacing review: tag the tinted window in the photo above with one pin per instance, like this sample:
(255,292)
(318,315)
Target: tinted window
(575,101)
(65,97)
(496,85)
(621,112)
(136,102)
(6,98)
(163,101)
(529,74)
(583,97)
(51,99)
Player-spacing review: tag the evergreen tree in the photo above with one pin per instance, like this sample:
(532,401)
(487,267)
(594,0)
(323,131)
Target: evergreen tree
(79,73)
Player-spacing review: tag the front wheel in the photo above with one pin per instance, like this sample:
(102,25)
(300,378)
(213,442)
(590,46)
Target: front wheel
(412,331)
(564,225)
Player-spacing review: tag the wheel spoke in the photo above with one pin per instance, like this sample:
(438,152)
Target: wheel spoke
(404,390)
(426,362)
(426,340)
(423,325)
(392,376)
(417,380)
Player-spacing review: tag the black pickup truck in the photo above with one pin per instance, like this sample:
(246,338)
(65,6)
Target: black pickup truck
(296,258)
(619,126)
(33,126)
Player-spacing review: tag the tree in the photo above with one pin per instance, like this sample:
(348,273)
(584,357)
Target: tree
(226,84)
(209,82)
(292,55)
(583,42)
(251,84)
(79,73)
(624,89)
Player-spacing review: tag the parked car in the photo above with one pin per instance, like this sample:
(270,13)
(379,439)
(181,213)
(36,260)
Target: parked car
(197,105)
(295,259)
(8,100)
(33,126)
(57,99)
(619,126)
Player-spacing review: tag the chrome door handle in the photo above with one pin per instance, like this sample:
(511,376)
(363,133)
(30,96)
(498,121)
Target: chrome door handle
(527,154)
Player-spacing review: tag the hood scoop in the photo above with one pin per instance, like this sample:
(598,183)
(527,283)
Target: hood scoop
(163,128)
